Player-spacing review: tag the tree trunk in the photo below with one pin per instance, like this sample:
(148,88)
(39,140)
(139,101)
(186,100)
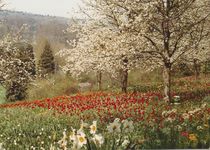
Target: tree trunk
(99,80)
(196,69)
(206,68)
(124,81)
(167,83)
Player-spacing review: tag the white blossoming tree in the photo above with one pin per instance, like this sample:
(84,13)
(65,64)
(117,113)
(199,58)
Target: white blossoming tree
(104,44)
(166,29)
(198,58)
(17,66)
(159,32)
(175,29)
(201,52)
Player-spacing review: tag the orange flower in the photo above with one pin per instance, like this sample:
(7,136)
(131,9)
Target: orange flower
(206,125)
(192,137)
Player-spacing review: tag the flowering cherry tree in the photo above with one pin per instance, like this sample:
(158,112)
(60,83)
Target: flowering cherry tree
(104,45)
(138,33)
(198,57)
(175,28)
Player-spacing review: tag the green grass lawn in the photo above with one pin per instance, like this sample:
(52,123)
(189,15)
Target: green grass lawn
(2,95)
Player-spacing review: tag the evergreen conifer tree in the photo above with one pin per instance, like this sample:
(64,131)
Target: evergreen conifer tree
(22,72)
(46,62)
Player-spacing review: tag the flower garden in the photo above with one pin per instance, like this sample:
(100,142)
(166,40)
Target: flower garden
(108,121)
(121,75)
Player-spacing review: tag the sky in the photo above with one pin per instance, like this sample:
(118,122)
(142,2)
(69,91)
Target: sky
(63,8)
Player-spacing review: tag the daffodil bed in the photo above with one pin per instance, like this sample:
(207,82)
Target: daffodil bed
(105,122)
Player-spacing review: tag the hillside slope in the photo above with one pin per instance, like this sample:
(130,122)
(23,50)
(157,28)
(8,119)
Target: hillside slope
(39,25)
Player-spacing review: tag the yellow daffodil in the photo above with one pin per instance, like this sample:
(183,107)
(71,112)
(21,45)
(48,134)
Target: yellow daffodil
(192,137)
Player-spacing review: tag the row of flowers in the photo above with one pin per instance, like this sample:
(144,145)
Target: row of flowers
(78,139)
(106,106)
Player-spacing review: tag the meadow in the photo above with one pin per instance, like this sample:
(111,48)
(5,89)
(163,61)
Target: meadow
(111,120)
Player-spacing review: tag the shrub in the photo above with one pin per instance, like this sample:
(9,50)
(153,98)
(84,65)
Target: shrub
(71,90)
(16,91)
(184,70)
(145,88)
(52,86)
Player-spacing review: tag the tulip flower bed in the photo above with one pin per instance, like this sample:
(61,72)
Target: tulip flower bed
(110,121)
(105,106)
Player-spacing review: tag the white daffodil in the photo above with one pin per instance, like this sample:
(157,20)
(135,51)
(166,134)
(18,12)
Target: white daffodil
(93,127)
(194,111)
(1,146)
(72,135)
(127,126)
(63,141)
(115,126)
(164,113)
(199,128)
(82,126)
(179,128)
(98,139)
(125,143)
(186,116)
(203,105)
(75,141)
(52,147)
(81,138)
(169,119)
(174,111)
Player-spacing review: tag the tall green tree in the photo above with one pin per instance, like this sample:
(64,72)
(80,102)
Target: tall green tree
(46,64)
(30,56)
(18,69)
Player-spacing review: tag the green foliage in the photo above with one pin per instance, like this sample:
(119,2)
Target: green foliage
(26,55)
(145,88)
(137,77)
(182,69)
(46,64)
(2,95)
(54,85)
(21,128)
(16,91)
(21,74)
(30,57)
(207,100)
(206,67)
